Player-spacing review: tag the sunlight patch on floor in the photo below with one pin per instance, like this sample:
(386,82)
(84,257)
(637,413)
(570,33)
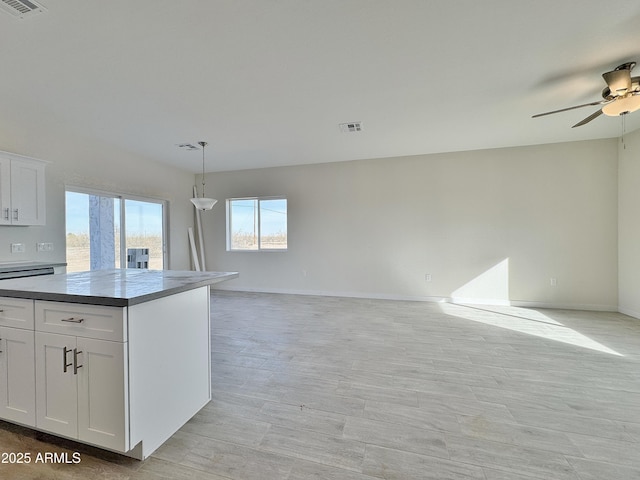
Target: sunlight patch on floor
(530,322)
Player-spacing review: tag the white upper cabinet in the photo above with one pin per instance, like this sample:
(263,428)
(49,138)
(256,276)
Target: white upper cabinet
(22,190)
(5,191)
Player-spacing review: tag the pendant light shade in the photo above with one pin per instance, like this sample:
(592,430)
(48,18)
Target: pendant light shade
(203,203)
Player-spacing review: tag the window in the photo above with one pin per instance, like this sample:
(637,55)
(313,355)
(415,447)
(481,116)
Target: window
(106,230)
(257,224)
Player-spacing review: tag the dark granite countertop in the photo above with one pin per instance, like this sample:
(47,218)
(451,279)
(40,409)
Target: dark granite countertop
(116,288)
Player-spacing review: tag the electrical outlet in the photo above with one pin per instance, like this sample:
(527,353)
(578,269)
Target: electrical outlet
(44,247)
(17,248)
(427,277)
(553,281)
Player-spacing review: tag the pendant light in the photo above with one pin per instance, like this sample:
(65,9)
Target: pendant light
(203,203)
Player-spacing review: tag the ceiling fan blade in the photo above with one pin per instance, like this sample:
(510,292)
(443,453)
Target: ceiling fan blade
(619,81)
(595,114)
(600,102)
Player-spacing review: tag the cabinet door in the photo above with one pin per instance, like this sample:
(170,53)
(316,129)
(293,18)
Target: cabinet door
(56,390)
(103,394)
(5,191)
(17,376)
(27,193)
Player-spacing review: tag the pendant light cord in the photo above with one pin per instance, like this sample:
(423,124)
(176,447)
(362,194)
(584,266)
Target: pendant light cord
(203,144)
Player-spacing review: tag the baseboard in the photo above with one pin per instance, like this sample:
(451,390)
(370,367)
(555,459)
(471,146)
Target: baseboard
(436,299)
(330,293)
(629,312)
(596,307)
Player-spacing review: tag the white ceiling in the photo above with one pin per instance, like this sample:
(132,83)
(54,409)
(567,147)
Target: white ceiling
(266,82)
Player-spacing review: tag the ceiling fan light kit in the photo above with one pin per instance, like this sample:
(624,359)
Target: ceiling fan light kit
(620,97)
(622,105)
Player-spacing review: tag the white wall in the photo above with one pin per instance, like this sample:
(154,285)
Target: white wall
(489,226)
(94,165)
(629,225)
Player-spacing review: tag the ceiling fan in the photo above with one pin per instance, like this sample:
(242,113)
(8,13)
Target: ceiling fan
(619,97)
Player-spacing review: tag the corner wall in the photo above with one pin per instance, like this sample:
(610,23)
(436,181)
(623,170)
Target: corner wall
(491,226)
(629,225)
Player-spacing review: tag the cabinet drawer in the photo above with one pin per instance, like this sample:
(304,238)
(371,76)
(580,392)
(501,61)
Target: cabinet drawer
(16,312)
(90,321)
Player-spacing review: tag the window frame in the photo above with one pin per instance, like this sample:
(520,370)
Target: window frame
(258,199)
(123,197)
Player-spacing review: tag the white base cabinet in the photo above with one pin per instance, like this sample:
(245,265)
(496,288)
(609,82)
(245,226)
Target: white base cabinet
(17,370)
(103,394)
(120,378)
(17,374)
(81,385)
(57,400)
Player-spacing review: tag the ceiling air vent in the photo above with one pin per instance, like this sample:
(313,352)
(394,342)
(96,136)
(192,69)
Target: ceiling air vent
(351,127)
(21,8)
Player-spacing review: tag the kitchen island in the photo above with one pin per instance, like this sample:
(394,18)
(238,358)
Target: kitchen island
(118,359)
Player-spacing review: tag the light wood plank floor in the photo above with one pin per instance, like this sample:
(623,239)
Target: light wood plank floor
(336,388)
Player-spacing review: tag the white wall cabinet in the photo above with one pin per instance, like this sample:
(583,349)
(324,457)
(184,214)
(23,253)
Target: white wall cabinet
(22,190)
(5,191)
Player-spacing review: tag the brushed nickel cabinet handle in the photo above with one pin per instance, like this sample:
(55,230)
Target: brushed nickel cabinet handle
(65,365)
(76,352)
(17,215)
(72,320)
(6,213)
